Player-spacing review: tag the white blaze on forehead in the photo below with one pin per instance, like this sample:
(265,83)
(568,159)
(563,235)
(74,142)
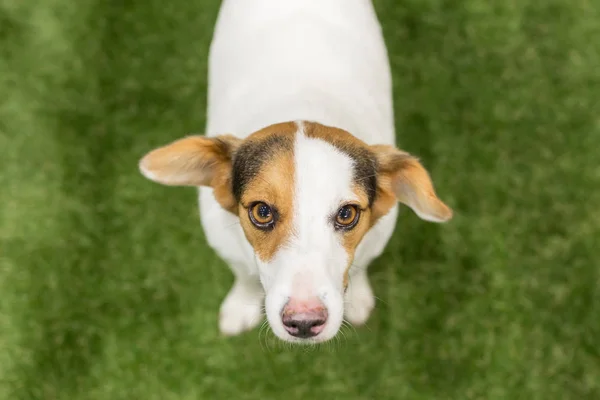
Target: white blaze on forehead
(313,262)
(323,182)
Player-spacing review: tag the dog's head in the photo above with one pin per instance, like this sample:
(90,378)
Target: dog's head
(305,194)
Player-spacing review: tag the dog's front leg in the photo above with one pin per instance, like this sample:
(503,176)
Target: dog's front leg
(359,298)
(242,308)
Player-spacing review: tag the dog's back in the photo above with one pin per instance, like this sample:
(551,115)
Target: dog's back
(282,60)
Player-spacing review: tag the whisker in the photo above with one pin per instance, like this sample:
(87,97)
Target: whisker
(269,336)
(331,345)
(344,341)
(381,300)
(261,330)
(342,333)
(347,323)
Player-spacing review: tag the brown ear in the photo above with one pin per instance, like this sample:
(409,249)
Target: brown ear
(195,161)
(402,178)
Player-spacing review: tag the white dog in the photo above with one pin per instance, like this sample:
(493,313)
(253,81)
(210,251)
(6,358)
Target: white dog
(298,174)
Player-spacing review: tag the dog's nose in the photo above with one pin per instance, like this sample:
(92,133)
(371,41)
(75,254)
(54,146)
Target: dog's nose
(304,319)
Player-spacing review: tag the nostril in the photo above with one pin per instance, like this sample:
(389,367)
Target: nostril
(304,325)
(317,322)
(289,321)
(304,319)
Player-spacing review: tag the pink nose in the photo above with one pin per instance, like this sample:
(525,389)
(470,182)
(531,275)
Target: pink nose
(304,318)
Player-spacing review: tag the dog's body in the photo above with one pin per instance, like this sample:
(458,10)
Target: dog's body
(282,75)
(276,61)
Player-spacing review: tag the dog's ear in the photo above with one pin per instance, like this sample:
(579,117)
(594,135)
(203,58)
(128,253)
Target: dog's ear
(401,177)
(195,161)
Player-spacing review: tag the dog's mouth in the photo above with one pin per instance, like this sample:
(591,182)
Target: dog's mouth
(313,340)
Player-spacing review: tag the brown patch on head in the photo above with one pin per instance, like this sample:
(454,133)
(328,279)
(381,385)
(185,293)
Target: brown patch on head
(259,168)
(273,185)
(352,238)
(365,161)
(388,175)
(257,149)
(263,171)
(195,161)
(383,175)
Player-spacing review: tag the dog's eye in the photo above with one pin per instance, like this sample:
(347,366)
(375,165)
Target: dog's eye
(347,217)
(261,215)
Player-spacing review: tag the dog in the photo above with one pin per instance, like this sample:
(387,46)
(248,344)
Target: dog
(299,178)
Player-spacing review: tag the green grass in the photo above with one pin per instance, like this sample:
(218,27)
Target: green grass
(108,290)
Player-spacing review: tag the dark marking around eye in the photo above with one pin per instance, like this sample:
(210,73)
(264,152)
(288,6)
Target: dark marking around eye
(250,157)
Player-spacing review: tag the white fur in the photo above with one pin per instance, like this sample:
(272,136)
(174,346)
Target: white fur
(241,309)
(314,261)
(286,60)
(359,299)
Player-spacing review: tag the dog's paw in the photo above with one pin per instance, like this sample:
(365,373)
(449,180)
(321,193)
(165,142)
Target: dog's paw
(359,301)
(241,311)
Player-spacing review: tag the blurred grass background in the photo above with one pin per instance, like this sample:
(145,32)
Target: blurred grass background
(108,290)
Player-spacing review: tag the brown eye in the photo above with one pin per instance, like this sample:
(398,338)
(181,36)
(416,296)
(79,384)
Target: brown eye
(347,217)
(261,215)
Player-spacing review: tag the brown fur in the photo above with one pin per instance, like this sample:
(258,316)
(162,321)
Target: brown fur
(275,186)
(288,129)
(402,178)
(353,237)
(365,162)
(195,161)
(261,168)
(399,177)
(335,136)
(257,150)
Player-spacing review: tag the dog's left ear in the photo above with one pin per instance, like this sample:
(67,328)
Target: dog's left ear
(401,177)
(195,161)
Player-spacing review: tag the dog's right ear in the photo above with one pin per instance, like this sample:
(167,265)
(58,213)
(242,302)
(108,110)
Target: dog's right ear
(195,161)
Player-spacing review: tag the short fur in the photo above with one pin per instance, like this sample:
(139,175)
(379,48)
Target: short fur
(300,119)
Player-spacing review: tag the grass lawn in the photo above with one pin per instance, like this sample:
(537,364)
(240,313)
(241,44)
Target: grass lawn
(108,290)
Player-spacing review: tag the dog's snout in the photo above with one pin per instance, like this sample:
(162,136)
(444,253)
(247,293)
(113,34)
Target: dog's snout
(303,326)
(304,319)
